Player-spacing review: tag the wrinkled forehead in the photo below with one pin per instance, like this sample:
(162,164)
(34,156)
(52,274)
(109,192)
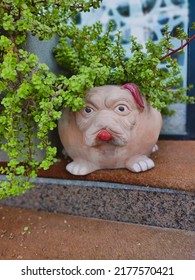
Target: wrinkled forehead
(107,95)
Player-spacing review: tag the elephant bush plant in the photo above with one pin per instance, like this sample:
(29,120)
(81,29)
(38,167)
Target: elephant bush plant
(32,97)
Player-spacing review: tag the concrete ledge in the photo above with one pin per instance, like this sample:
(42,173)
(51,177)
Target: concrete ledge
(54,236)
(110,201)
(162,197)
(174,169)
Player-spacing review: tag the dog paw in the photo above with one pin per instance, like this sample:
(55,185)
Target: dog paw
(80,168)
(140,164)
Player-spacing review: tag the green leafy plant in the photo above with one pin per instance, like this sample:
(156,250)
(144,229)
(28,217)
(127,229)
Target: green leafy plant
(97,59)
(31,96)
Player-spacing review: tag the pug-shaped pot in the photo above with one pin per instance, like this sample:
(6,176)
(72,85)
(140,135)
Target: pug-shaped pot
(116,129)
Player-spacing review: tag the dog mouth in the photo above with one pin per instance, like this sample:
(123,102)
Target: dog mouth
(106,136)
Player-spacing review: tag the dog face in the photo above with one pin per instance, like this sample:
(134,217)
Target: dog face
(110,116)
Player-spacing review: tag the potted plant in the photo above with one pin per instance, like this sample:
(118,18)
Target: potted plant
(120,123)
(32,97)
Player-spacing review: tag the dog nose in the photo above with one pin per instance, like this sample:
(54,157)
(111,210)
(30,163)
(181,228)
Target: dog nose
(104,135)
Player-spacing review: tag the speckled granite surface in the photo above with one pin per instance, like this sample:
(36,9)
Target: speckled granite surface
(117,202)
(163,197)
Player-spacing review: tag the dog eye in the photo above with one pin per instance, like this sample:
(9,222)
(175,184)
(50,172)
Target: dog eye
(121,108)
(88,110)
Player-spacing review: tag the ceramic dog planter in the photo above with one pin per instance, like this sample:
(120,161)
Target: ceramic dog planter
(116,129)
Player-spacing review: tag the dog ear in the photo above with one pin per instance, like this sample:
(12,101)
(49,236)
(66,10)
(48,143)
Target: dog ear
(135,93)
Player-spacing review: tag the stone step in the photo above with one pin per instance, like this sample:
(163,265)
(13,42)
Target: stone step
(162,197)
(174,169)
(30,234)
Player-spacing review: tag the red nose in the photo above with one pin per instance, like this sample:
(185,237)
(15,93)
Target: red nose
(104,135)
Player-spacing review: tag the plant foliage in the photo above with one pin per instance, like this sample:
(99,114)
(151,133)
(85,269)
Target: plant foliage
(98,59)
(31,96)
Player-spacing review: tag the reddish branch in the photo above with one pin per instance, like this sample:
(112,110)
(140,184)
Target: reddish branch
(178,49)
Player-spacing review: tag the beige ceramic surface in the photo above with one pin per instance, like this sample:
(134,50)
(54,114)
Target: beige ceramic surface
(116,129)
